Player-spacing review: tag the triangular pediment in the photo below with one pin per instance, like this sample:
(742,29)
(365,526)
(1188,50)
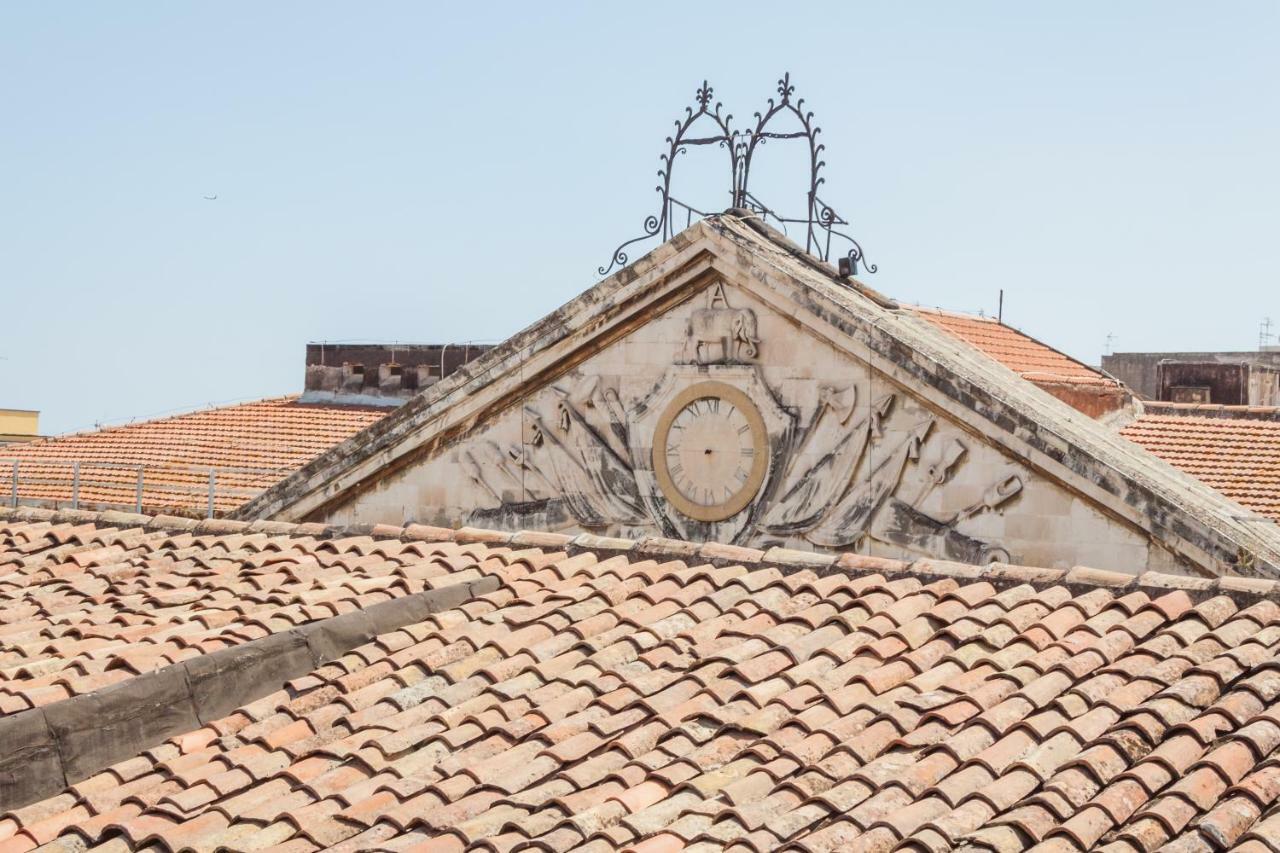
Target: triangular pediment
(728,388)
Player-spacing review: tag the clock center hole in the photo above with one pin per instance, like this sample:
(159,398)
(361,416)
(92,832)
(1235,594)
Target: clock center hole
(707,452)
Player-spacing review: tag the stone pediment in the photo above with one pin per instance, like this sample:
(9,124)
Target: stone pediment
(728,388)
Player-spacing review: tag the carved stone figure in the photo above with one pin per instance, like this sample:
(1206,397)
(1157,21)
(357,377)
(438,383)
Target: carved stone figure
(599,408)
(719,333)
(808,492)
(848,521)
(536,485)
(597,486)
(906,525)
(729,332)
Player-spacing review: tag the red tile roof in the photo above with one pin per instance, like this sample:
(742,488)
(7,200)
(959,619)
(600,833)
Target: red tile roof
(1016,350)
(253,446)
(663,696)
(1237,455)
(85,605)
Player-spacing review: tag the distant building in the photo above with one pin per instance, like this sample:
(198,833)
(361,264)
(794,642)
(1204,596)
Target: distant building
(1073,382)
(182,465)
(18,425)
(211,461)
(380,374)
(1235,449)
(1217,378)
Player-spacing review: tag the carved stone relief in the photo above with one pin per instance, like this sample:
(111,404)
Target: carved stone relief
(713,451)
(719,334)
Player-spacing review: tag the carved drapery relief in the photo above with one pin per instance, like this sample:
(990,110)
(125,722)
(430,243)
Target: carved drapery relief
(857,464)
(808,493)
(595,483)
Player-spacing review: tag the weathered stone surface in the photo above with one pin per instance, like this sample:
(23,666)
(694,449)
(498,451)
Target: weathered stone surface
(722,555)
(538,539)
(791,557)
(222,681)
(30,766)
(331,638)
(98,729)
(864,428)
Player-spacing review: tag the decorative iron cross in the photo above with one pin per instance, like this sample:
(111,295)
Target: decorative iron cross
(821,222)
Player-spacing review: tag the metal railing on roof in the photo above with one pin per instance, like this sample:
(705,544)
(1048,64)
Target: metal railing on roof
(89,483)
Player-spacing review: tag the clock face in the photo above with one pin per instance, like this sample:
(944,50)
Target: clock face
(710,451)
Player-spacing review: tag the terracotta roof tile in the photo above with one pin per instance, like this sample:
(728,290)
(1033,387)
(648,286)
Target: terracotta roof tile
(253,446)
(601,701)
(1016,350)
(72,625)
(1239,457)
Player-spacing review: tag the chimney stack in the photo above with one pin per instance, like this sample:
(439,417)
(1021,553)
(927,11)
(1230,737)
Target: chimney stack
(378,375)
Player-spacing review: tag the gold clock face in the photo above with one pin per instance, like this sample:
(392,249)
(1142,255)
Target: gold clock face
(710,451)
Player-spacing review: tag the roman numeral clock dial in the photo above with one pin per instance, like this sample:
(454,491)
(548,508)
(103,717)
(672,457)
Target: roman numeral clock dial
(710,451)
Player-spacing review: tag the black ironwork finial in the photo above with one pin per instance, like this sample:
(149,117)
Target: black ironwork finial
(821,221)
(785,89)
(718,134)
(704,94)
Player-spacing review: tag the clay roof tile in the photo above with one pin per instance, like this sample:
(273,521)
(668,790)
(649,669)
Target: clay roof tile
(573,707)
(252,445)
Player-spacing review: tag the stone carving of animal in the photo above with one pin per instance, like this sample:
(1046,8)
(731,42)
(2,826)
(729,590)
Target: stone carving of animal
(732,330)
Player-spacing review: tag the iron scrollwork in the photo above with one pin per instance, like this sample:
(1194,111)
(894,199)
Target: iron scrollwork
(821,221)
(676,145)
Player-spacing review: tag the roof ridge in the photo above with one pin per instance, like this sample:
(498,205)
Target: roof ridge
(1220,411)
(1097,371)
(1001,575)
(950,312)
(234,404)
(67,733)
(1106,449)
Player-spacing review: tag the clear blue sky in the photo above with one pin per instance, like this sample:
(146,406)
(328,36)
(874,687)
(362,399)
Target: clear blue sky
(444,172)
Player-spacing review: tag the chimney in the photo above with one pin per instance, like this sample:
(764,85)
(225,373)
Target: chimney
(393,374)
(389,379)
(352,378)
(427,375)
(323,378)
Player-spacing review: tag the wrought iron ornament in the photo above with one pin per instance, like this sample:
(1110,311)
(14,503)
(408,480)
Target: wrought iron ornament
(821,221)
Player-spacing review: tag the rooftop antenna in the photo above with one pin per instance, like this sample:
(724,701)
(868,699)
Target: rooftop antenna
(1000,308)
(1264,333)
(1111,336)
